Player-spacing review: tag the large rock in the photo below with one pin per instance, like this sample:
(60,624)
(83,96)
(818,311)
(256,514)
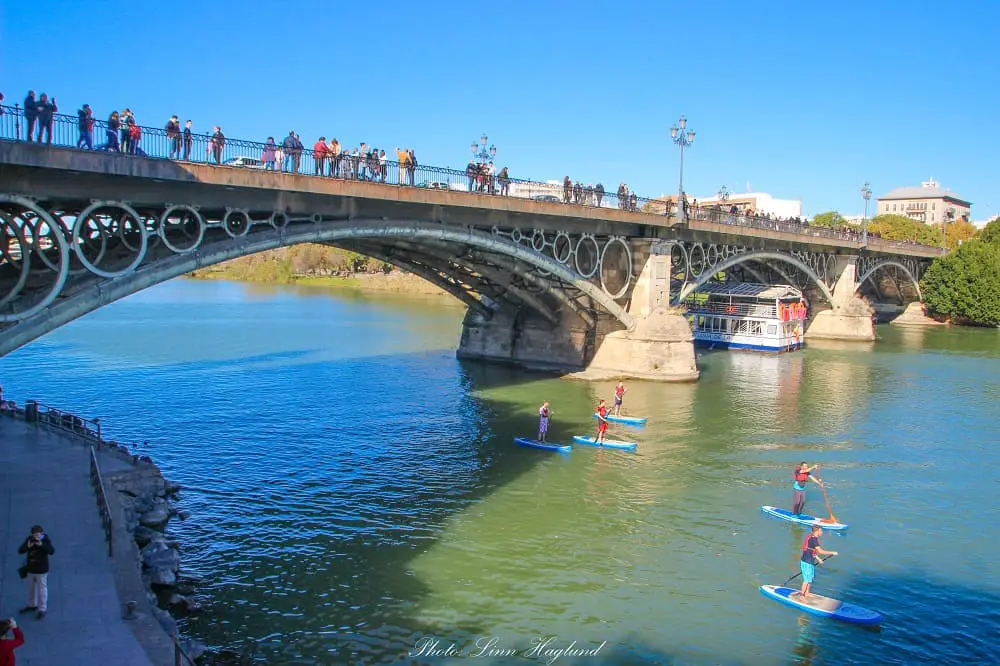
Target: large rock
(181,605)
(162,577)
(168,623)
(144,535)
(193,649)
(158,516)
(158,555)
(171,488)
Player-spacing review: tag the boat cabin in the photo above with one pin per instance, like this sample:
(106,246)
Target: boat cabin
(747,315)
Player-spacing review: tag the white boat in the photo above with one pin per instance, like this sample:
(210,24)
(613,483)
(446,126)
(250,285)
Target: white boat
(747,315)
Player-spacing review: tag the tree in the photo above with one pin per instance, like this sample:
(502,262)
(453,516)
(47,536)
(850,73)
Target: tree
(900,227)
(828,219)
(959,232)
(991,233)
(965,284)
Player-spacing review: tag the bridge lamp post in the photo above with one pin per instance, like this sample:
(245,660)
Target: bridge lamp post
(486,154)
(866,194)
(683,137)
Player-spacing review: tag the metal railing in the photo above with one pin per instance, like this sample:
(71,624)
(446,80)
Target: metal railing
(157,143)
(102,500)
(181,657)
(63,420)
(734,309)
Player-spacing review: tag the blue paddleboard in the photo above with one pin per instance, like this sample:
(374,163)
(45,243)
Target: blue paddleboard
(802,519)
(823,606)
(627,420)
(608,443)
(535,444)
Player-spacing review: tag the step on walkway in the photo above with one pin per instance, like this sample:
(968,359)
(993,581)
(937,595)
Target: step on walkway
(45,480)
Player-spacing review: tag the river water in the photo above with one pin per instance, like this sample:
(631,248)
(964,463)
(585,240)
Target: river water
(354,488)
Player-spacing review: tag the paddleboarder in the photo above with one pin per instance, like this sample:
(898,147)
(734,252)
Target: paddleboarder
(803,475)
(543,421)
(619,395)
(810,549)
(602,422)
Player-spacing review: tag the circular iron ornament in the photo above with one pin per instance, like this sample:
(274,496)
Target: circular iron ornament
(562,240)
(515,235)
(679,263)
(86,213)
(595,260)
(538,242)
(628,263)
(125,236)
(712,255)
(696,260)
(90,237)
(279,220)
(234,220)
(50,233)
(9,230)
(60,243)
(185,212)
(830,268)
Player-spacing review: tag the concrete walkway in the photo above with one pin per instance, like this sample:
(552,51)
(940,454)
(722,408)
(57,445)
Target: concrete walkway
(45,479)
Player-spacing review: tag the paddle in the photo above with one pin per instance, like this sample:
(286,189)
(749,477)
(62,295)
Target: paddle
(819,562)
(833,518)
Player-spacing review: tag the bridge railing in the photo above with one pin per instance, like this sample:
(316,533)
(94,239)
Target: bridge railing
(155,142)
(35,411)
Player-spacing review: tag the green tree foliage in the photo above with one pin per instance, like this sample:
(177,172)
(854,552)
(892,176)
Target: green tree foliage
(900,227)
(828,219)
(991,233)
(965,285)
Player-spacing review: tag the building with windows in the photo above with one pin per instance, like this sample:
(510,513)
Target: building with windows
(761,203)
(928,203)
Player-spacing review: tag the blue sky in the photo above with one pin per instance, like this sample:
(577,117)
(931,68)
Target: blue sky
(800,99)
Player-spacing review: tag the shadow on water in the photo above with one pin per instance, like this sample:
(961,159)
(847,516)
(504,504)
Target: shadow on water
(949,624)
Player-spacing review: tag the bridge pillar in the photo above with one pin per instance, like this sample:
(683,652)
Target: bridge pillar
(526,339)
(849,317)
(660,347)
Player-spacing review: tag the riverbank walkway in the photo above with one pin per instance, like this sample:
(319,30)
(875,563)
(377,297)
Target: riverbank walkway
(45,480)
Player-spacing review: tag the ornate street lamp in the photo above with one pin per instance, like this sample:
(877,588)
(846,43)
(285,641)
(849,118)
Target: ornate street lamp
(866,194)
(949,215)
(683,137)
(484,155)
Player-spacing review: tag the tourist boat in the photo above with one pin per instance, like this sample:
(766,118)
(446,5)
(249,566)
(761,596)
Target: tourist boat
(746,315)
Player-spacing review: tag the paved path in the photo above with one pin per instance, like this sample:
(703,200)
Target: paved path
(45,479)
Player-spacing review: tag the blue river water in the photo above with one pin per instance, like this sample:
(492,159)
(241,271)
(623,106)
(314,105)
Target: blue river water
(356,494)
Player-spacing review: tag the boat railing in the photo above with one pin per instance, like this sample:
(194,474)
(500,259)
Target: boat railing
(762,310)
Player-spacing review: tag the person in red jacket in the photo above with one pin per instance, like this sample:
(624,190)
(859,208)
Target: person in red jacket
(8,645)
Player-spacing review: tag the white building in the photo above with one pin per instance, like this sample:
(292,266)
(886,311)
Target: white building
(928,203)
(761,203)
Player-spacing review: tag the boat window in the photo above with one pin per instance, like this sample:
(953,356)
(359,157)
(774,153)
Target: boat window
(701,321)
(772,330)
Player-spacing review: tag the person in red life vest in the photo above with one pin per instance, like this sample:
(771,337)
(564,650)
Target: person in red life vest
(619,396)
(8,645)
(543,421)
(803,475)
(602,421)
(811,548)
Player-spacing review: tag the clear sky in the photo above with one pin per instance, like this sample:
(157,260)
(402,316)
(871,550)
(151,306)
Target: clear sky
(804,100)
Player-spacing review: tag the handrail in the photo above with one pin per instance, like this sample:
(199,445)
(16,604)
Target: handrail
(102,500)
(156,143)
(59,418)
(180,656)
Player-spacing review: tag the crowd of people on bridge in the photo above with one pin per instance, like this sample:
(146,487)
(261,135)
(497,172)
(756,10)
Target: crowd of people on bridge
(334,159)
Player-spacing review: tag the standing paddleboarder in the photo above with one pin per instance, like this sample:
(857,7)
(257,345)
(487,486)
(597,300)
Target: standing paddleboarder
(543,421)
(619,395)
(810,549)
(602,422)
(803,475)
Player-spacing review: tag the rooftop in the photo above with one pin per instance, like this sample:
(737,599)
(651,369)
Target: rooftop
(752,289)
(928,190)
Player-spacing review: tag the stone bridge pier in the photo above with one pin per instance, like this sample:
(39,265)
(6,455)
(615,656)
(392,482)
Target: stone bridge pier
(849,317)
(655,344)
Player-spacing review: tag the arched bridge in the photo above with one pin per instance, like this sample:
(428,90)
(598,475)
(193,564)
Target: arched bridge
(546,284)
